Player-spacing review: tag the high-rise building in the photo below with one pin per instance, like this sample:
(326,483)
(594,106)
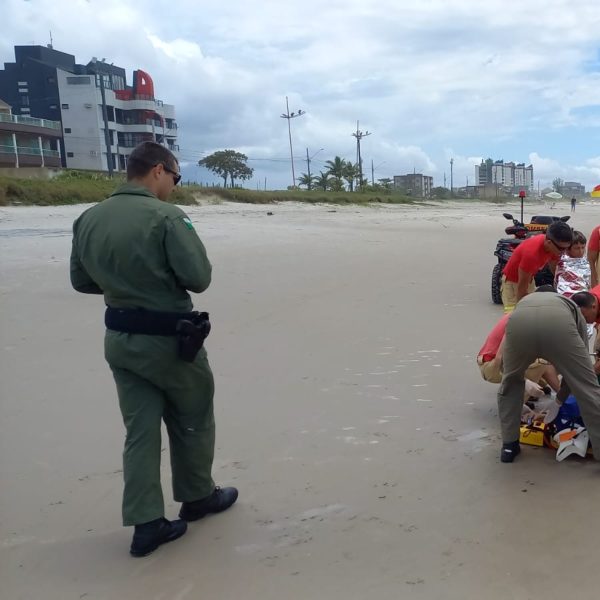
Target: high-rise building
(515,177)
(102,117)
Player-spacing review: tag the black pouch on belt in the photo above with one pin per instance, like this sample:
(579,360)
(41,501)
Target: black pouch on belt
(191,334)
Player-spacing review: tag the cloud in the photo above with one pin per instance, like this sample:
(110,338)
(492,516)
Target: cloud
(423,77)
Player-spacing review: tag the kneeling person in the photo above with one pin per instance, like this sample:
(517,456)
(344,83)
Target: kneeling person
(489,360)
(551,327)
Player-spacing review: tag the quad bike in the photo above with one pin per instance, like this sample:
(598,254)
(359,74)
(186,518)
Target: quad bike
(506,246)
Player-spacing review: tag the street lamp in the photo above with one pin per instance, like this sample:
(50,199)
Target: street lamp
(289,116)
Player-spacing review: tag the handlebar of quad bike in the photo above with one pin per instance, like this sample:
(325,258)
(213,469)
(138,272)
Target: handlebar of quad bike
(538,224)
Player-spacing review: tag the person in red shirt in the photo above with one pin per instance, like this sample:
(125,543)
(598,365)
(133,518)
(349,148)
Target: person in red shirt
(593,250)
(528,258)
(489,360)
(596,291)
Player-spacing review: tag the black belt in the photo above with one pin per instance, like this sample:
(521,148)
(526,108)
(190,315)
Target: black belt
(148,322)
(191,328)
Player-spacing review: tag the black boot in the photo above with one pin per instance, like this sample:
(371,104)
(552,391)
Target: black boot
(509,451)
(221,499)
(149,536)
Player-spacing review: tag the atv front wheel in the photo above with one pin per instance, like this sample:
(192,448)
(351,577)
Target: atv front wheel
(496,282)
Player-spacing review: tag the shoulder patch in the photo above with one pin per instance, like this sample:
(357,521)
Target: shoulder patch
(188,223)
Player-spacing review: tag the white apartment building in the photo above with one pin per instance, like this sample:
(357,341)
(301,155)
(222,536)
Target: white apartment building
(509,175)
(133,115)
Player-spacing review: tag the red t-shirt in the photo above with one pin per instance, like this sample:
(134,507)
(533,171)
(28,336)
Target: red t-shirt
(594,241)
(492,343)
(596,292)
(529,256)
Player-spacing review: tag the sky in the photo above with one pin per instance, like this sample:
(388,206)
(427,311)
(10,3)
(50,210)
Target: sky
(431,80)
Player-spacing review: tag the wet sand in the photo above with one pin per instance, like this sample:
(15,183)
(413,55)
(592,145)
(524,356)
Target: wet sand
(350,414)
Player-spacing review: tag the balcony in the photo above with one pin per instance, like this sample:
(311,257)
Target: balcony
(28,157)
(30,125)
(5,118)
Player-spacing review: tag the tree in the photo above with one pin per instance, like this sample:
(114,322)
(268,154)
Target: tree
(350,174)
(336,168)
(557,184)
(307,180)
(227,163)
(240,171)
(441,193)
(386,182)
(322,181)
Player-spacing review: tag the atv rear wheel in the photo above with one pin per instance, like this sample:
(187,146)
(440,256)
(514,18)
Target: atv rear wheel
(496,282)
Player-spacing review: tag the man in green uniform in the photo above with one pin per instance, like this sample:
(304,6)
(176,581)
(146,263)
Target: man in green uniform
(144,255)
(547,325)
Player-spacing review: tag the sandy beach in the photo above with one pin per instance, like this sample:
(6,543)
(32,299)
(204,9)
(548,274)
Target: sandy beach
(350,414)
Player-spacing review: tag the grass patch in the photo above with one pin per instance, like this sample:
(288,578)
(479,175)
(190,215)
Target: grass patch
(312,197)
(82,187)
(70,187)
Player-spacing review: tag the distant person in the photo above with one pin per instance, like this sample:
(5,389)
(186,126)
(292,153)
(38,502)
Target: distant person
(573,203)
(144,255)
(573,273)
(490,360)
(551,327)
(528,258)
(593,251)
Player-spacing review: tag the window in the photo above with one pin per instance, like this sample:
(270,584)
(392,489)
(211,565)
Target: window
(22,83)
(67,130)
(78,80)
(23,90)
(70,155)
(53,107)
(51,80)
(64,106)
(24,100)
(25,110)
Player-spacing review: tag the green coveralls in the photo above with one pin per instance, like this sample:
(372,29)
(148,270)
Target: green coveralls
(141,252)
(547,325)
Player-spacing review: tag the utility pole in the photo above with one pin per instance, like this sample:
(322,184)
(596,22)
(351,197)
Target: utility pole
(109,156)
(308,159)
(359,135)
(451,177)
(444,178)
(289,116)
(372,173)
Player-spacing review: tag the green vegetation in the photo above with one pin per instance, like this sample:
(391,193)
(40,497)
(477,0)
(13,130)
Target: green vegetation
(77,187)
(312,197)
(70,187)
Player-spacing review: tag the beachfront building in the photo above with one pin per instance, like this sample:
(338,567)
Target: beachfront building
(514,177)
(570,189)
(102,118)
(27,142)
(99,102)
(414,184)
